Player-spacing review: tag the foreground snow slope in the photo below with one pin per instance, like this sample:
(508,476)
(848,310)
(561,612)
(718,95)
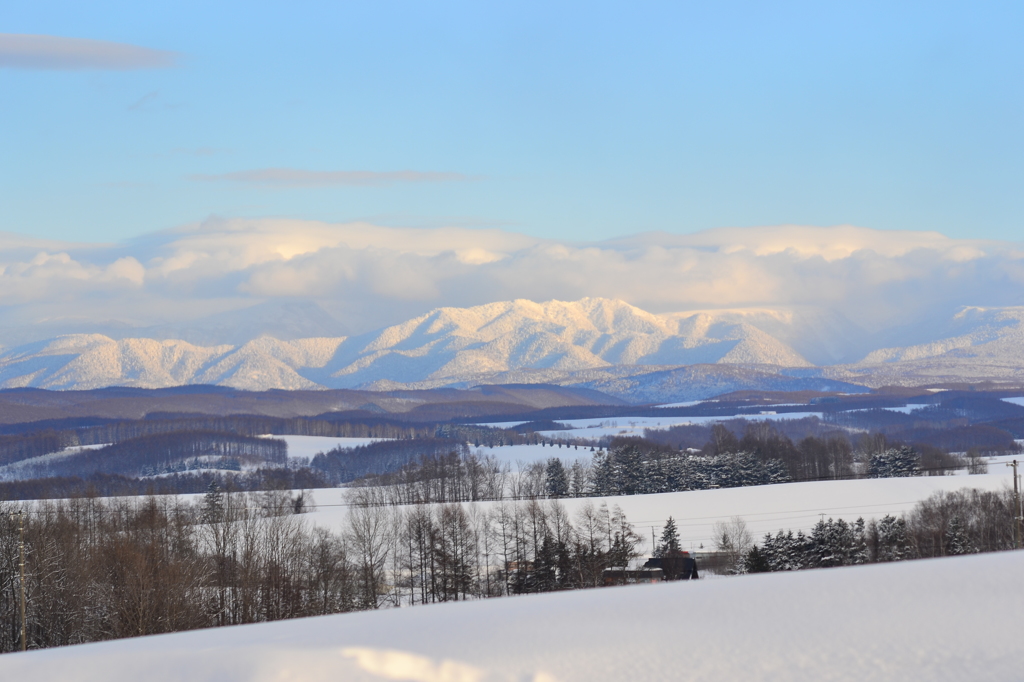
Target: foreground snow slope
(940,619)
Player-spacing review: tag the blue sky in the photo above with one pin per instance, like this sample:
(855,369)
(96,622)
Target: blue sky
(575,121)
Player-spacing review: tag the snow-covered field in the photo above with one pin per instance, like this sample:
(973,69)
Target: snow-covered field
(767,508)
(634,426)
(687,403)
(938,619)
(307,446)
(907,409)
(535,453)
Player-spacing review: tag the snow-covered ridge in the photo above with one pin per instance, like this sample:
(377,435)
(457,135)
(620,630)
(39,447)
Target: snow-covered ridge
(447,343)
(978,344)
(976,332)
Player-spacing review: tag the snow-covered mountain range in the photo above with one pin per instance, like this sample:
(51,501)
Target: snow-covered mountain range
(601,343)
(979,344)
(447,344)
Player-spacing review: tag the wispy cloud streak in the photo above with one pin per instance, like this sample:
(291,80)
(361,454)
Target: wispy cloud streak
(26,51)
(294,177)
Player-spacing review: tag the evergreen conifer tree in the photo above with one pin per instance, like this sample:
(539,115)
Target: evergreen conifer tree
(556,479)
(894,463)
(624,544)
(629,466)
(579,482)
(802,551)
(605,482)
(213,504)
(893,544)
(755,561)
(860,543)
(545,566)
(956,540)
(669,544)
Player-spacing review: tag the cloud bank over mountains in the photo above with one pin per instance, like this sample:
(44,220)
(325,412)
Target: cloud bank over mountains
(841,291)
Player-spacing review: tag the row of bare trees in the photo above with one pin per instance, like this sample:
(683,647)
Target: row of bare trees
(102,569)
(451,552)
(468,476)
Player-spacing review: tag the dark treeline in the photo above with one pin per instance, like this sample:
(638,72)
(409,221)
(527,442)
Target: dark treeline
(246,425)
(820,451)
(983,437)
(16,448)
(96,431)
(762,456)
(493,437)
(111,485)
(630,468)
(946,524)
(100,569)
(942,426)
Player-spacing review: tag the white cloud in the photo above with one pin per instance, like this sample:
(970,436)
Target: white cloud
(24,51)
(127,269)
(371,275)
(241,244)
(802,241)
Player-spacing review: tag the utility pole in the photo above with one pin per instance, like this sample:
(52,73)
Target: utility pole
(21,553)
(1016,507)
